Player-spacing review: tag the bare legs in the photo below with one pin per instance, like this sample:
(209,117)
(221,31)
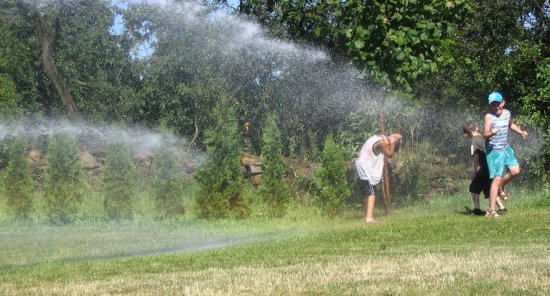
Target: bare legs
(513,173)
(368,204)
(499,182)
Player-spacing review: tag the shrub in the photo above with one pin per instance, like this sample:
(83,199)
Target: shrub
(275,191)
(221,182)
(119,181)
(18,184)
(413,168)
(63,181)
(331,182)
(92,208)
(168,184)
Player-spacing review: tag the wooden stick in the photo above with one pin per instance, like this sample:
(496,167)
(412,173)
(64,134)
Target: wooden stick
(386,180)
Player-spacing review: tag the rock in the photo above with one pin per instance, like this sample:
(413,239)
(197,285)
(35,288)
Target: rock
(88,161)
(249,159)
(305,171)
(35,155)
(143,158)
(256,180)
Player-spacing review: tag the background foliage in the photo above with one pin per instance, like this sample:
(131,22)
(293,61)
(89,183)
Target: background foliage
(421,65)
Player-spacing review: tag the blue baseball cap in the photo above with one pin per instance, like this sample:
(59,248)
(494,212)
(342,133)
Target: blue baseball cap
(495,97)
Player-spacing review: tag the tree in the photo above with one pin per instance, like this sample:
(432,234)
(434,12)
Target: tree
(331,182)
(535,107)
(59,67)
(195,62)
(47,41)
(97,65)
(221,183)
(63,180)
(275,191)
(178,85)
(502,46)
(9,98)
(20,76)
(395,41)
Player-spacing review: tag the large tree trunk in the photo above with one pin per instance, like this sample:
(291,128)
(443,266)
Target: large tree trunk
(50,68)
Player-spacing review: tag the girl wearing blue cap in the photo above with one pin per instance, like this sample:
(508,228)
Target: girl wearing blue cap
(500,156)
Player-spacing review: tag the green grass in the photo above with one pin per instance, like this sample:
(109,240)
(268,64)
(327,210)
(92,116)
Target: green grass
(431,248)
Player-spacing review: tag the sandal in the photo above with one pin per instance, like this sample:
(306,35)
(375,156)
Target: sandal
(503,195)
(492,214)
(502,211)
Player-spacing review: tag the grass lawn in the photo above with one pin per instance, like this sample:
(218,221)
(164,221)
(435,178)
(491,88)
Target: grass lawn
(427,249)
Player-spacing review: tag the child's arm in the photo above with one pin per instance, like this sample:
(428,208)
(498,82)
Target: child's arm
(487,131)
(518,130)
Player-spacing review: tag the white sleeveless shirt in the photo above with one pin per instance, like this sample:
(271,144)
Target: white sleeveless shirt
(368,165)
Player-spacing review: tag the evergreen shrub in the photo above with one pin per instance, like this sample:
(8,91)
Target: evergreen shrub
(119,182)
(221,182)
(275,192)
(332,188)
(168,186)
(63,181)
(18,184)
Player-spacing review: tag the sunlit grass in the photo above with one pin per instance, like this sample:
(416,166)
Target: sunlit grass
(432,248)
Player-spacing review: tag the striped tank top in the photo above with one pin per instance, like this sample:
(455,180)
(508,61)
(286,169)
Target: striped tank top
(502,122)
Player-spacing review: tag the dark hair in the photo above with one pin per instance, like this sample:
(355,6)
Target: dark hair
(469,127)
